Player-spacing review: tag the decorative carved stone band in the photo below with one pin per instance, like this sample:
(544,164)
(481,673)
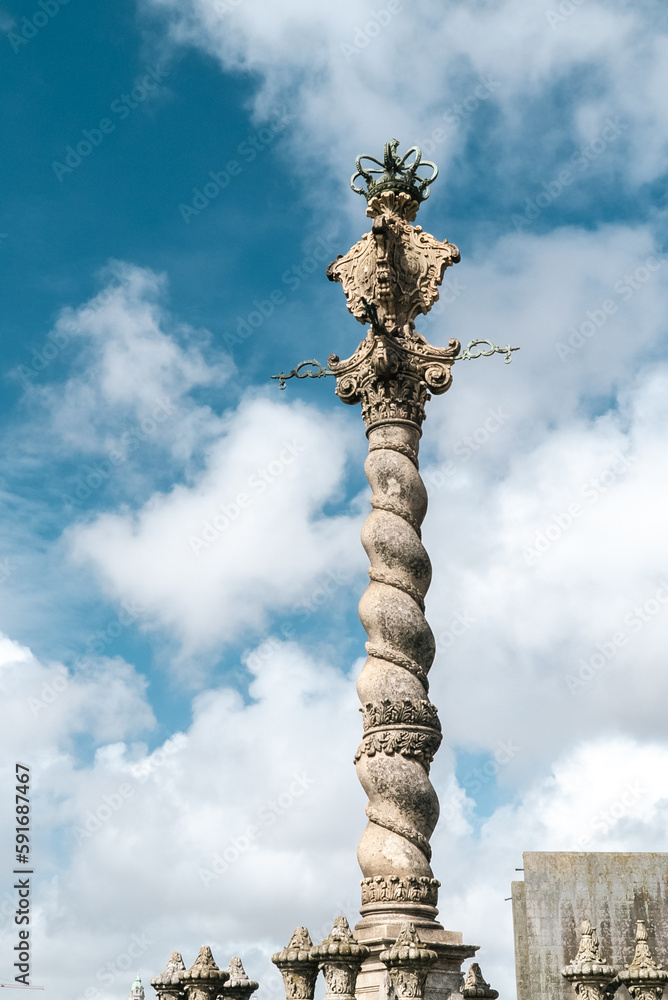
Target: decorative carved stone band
(417,713)
(400,890)
(421,746)
(408,961)
(475,986)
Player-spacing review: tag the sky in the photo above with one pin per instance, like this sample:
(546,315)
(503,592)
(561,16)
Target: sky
(175,179)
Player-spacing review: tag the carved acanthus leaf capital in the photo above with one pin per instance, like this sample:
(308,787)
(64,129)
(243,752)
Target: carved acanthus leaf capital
(392,376)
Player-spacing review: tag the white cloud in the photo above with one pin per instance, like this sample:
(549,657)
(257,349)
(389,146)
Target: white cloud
(504,678)
(135,367)
(348,72)
(267,841)
(246,536)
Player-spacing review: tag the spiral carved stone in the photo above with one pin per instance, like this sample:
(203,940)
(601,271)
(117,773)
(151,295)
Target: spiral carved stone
(402,729)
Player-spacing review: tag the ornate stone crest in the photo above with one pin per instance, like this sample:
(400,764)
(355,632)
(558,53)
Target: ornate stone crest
(475,986)
(298,966)
(643,978)
(408,961)
(340,958)
(591,976)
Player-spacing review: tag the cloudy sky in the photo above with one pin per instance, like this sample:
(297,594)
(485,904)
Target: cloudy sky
(174,181)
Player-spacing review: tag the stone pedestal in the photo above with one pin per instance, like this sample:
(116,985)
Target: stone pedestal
(379,932)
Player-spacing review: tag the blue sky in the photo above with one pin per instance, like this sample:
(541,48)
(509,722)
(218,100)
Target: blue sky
(153,279)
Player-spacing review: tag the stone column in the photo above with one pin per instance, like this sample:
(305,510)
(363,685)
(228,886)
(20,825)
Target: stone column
(389,278)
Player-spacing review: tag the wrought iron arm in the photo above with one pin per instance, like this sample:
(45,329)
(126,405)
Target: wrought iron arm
(469,353)
(320,372)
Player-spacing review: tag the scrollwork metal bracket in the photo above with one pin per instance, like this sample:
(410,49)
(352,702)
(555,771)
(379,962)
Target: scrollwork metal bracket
(470,354)
(320,372)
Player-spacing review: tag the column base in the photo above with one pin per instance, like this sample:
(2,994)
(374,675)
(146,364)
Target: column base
(379,930)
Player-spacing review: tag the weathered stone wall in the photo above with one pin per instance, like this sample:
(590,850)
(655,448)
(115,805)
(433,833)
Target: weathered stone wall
(562,889)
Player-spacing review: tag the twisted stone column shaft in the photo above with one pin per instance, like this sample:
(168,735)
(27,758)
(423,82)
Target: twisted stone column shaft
(402,731)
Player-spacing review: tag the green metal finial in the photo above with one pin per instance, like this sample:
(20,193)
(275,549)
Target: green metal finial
(395,173)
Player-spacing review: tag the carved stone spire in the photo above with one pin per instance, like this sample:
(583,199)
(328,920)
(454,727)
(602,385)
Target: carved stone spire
(643,978)
(169,984)
(589,972)
(340,958)
(298,966)
(238,986)
(475,985)
(203,980)
(408,961)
